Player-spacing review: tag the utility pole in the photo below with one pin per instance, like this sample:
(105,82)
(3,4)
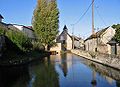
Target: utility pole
(93,31)
(72,36)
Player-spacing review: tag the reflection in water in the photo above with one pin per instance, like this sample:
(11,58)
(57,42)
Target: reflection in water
(64,64)
(14,77)
(44,75)
(67,70)
(94,82)
(80,73)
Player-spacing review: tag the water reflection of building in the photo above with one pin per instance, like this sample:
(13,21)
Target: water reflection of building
(94,81)
(107,73)
(65,62)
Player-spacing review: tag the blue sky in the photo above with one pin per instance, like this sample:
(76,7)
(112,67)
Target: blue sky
(21,11)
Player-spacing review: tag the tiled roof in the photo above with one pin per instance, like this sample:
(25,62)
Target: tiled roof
(97,34)
(76,38)
(29,27)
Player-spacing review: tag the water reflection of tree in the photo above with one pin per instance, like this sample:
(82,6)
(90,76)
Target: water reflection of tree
(45,75)
(14,77)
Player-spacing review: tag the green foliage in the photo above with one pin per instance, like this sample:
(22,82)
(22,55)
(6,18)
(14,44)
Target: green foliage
(1,31)
(93,54)
(45,21)
(22,41)
(117,34)
(38,46)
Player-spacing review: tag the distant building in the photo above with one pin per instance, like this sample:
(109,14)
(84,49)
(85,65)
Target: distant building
(102,41)
(2,24)
(27,30)
(69,42)
(1,17)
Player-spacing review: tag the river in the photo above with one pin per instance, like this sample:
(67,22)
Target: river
(66,70)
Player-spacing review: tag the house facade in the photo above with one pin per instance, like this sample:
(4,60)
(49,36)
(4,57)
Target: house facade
(102,41)
(27,30)
(65,39)
(69,42)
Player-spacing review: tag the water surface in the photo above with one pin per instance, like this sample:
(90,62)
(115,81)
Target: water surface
(67,70)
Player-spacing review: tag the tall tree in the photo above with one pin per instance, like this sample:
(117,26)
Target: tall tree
(45,21)
(117,33)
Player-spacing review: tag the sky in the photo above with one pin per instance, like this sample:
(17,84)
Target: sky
(106,13)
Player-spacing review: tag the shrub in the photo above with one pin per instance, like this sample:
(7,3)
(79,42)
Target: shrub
(38,46)
(1,31)
(93,54)
(21,40)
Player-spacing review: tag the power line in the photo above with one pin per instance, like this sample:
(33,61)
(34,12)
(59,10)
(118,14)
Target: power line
(100,16)
(84,13)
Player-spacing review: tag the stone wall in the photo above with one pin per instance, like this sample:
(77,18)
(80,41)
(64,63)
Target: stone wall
(91,44)
(56,48)
(107,72)
(106,59)
(69,42)
(118,49)
(102,48)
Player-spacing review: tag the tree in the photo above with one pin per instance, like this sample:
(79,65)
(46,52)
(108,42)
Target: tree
(117,33)
(45,21)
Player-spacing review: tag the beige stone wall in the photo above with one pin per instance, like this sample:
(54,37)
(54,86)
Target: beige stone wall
(104,38)
(91,44)
(107,35)
(69,42)
(106,59)
(56,48)
(118,49)
(102,49)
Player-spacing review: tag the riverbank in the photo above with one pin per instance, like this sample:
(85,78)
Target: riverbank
(104,59)
(13,59)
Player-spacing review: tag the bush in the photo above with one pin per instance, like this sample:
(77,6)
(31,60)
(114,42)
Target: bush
(38,46)
(93,54)
(21,40)
(1,31)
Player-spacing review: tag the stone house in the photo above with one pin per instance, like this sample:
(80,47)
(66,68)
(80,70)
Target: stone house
(102,41)
(69,42)
(27,30)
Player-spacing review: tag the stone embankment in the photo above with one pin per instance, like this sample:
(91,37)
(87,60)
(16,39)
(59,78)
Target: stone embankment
(108,60)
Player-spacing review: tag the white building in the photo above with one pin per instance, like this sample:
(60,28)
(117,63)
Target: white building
(69,42)
(27,30)
(102,41)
